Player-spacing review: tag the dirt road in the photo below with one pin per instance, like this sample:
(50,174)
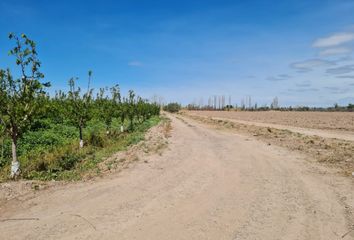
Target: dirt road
(208,185)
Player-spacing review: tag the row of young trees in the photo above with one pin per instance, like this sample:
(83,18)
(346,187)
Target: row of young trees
(24,99)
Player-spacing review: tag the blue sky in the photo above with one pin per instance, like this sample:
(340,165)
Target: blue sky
(300,51)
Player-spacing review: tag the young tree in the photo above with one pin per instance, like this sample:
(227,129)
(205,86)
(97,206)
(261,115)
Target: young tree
(131,108)
(79,106)
(119,108)
(108,108)
(18,96)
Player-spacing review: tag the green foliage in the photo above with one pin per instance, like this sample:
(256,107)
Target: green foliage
(21,97)
(68,162)
(172,107)
(96,133)
(18,96)
(79,105)
(44,139)
(45,129)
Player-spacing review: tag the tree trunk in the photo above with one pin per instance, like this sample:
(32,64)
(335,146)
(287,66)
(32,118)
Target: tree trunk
(15,164)
(81,139)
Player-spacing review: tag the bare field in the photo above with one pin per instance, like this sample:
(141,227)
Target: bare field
(315,120)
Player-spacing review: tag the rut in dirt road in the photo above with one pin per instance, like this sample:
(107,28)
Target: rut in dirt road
(208,185)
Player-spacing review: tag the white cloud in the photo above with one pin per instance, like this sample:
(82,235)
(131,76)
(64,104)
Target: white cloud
(335,51)
(308,65)
(334,40)
(135,64)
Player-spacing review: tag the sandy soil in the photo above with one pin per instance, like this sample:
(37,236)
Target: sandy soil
(209,184)
(338,125)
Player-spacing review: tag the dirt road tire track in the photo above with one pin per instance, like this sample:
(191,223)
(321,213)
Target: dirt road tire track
(208,185)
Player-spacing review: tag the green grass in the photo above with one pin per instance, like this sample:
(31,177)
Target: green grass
(68,162)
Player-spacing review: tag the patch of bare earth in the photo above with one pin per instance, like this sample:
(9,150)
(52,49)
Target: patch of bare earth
(334,152)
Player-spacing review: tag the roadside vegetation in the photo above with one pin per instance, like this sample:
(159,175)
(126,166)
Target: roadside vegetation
(172,107)
(65,135)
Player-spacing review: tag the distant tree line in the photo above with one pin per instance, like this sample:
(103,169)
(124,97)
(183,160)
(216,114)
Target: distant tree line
(217,103)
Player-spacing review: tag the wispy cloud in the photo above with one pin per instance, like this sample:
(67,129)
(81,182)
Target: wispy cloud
(346,76)
(334,40)
(337,90)
(344,59)
(135,64)
(341,70)
(303,84)
(335,51)
(285,76)
(309,65)
(303,90)
(279,77)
